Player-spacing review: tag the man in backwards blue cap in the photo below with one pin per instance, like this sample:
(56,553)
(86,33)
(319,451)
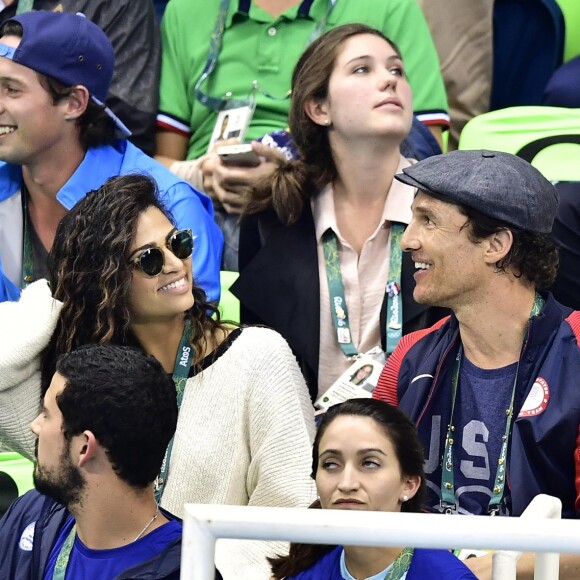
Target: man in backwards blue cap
(493,388)
(58,141)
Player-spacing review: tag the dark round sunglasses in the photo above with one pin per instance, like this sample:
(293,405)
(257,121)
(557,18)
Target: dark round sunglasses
(152,260)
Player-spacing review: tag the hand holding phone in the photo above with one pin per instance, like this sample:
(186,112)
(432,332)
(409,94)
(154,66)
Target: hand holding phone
(240,155)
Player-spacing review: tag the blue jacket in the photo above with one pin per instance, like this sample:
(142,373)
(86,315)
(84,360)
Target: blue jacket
(425,565)
(544,453)
(25,548)
(189,207)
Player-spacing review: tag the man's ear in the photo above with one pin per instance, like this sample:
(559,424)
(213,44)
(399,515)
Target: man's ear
(77,102)
(318,111)
(87,448)
(498,245)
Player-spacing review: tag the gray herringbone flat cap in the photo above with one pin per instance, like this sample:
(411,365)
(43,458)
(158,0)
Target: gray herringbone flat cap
(499,185)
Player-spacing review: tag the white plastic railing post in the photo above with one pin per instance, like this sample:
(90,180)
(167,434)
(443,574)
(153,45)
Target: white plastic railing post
(504,565)
(198,550)
(547,565)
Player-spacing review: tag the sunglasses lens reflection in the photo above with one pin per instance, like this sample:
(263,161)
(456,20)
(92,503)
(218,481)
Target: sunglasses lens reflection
(182,244)
(151,261)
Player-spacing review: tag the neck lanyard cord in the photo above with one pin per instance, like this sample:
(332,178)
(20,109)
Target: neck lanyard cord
(181,368)
(448,502)
(27,253)
(339,310)
(401,565)
(215,46)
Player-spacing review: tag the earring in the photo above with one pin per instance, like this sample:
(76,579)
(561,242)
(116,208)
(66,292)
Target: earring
(327,122)
(405,498)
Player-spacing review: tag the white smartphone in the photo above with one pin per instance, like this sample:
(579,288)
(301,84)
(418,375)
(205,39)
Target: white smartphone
(242,155)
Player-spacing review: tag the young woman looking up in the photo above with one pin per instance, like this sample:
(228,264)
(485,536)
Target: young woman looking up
(321,239)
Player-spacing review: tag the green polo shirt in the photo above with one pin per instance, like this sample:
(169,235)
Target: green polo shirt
(257,46)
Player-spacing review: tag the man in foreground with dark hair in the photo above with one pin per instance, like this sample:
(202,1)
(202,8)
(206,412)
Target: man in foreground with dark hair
(58,141)
(105,423)
(493,388)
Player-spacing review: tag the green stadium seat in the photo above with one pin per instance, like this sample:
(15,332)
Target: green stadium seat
(571,11)
(15,478)
(229,305)
(547,137)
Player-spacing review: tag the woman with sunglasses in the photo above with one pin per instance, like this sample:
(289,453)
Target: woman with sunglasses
(121,273)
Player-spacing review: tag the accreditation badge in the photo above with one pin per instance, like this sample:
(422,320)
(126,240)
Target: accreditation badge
(232,123)
(358,381)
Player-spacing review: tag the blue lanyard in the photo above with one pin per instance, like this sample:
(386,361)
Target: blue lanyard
(181,368)
(215,46)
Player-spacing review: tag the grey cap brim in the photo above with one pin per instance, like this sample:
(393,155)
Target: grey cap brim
(408,180)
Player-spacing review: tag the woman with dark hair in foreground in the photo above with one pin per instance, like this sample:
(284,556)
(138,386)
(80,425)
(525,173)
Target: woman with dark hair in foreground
(367,457)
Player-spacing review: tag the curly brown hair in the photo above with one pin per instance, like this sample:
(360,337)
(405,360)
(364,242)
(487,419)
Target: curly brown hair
(293,182)
(91,275)
(532,256)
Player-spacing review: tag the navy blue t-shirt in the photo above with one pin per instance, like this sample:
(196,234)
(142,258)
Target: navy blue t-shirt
(480,419)
(107,564)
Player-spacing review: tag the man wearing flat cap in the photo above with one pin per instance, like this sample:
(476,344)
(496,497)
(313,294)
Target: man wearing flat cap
(493,388)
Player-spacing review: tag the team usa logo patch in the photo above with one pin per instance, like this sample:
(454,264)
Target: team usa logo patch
(27,538)
(537,401)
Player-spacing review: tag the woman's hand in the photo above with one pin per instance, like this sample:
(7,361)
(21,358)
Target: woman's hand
(226,182)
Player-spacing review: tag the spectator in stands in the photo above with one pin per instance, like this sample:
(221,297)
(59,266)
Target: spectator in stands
(493,387)
(463,35)
(105,423)
(367,457)
(59,141)
(121,273)
(563,90)
(566,235)
(132,28)
(325,235)
(261,41)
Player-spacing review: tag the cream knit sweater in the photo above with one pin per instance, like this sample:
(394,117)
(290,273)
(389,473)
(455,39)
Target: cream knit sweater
(244,431)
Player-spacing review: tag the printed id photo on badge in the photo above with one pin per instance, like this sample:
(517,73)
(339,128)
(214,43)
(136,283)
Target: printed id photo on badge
(231,124)
(359,380)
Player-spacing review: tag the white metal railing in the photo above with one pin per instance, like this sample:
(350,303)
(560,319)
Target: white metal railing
(204,524)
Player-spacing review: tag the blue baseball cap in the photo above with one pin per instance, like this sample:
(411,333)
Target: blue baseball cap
(69,48)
